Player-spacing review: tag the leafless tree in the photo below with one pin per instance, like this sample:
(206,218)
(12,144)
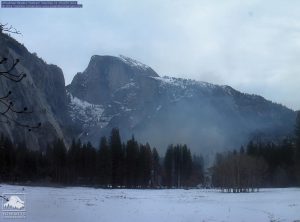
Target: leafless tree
(236,172)
(9,29)
(7,70)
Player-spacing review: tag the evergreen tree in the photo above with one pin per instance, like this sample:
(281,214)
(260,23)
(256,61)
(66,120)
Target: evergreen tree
(169,168)
(8,159)
(104,163)
(156,169)
(26,163)
(186,165)
(297,130)
(90,158)
(132,156)
(297,150)
(117,157)
(72,162)
(59,161)
(145,166)
(251,148)
(178,166)
(242,150)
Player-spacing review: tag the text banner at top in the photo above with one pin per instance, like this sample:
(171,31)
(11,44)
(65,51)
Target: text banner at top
(40,4)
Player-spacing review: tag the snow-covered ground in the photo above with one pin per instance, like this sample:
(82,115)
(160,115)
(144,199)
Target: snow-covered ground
(89,204)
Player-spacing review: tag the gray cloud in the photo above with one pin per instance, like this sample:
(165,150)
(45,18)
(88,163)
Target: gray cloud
(253,46)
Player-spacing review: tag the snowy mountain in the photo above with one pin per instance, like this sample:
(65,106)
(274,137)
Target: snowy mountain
(122,92)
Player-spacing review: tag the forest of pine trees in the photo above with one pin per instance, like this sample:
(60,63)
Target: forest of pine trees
(113,165)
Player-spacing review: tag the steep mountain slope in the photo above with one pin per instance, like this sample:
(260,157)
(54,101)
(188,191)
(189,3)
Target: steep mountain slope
(121,92)
(42,91)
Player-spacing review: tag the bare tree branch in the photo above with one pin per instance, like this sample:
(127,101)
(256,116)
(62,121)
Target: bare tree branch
(8,120)
(9,29)
(9,73)
(10,105)
(6,96)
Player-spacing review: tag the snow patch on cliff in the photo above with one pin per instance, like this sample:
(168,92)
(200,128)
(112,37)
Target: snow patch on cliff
(134,63)
(87,113)
(183,83)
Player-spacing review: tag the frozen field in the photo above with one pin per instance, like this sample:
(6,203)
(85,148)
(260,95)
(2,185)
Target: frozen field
(89,204)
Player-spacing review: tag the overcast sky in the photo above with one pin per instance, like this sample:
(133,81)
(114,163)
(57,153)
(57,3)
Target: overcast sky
(253,46)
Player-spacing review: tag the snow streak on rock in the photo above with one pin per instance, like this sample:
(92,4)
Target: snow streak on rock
(87,113)
(133,63)
(183,83)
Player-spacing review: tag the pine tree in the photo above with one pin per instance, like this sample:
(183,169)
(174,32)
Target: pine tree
(169,167)
(8,158)
(59,153)
(297,150)
(21,152)
(242,150)
(117,158)
(186,165)
(104,164)
(156,169)
(90,162)
(297,130)
(2,160)
(132,155)
(72,162)
(251,148)
(145,166)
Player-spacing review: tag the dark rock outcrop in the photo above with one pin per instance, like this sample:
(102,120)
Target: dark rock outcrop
(42,91)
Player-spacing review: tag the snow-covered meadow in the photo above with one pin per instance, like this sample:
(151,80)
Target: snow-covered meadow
(89,204)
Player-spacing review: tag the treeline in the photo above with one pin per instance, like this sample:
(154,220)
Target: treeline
(135,165)
(280,162)
(112,164)
(262,164)
(181,169)
(237,172)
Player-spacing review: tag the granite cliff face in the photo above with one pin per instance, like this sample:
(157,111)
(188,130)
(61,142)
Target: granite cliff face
(106,74)
(107,92)
(42,91)
(121,92)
